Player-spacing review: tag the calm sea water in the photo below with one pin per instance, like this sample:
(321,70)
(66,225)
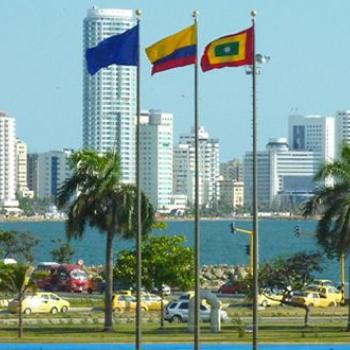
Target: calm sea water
(218,245)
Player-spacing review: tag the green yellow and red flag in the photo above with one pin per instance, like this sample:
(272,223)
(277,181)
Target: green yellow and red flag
(229,51)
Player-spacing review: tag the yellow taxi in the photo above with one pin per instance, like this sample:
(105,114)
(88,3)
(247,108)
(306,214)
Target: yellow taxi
(40,303)
(332,294)
(269,299)
(190,294)
(153,302)
(123,302)
(317,299)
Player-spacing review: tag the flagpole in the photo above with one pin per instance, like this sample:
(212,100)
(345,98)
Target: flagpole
(196,209)
(138,339)
(255,203)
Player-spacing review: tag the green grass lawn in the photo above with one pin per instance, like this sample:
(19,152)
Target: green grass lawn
(177,333)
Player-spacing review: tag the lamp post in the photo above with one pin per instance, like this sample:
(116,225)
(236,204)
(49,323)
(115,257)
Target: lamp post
(254,70)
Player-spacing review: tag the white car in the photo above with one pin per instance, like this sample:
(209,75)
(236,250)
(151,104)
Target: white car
(166,290)
(177,311)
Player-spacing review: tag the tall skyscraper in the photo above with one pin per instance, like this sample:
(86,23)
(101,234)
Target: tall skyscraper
(156,153)
(342,127)
(32,172)
(21,170)
(8,183)
(209,166)
(53,170)
(312,133)
(109,96)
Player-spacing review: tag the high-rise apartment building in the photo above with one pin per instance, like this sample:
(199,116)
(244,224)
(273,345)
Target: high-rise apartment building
(8,183)
(209,166)
(21,170)
(109,96)
(312,133)
(156,157)
(342,128)
(53,169)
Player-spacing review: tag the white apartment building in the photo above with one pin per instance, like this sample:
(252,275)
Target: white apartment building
(281,173)
(21,170)
(238,194)
(156,158)
(53,169)
(209,166)
(232,193)
(109,96)
(8,177)
(342,127)
(312,133)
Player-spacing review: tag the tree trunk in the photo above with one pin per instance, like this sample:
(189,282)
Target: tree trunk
(20,317)
(108,327)
(306,318)
(302,306)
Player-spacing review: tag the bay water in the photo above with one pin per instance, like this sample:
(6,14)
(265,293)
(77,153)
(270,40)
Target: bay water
(218,244)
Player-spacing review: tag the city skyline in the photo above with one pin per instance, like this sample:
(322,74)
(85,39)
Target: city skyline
(43,68)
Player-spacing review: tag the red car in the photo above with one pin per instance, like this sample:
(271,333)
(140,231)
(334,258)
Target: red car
(232,288)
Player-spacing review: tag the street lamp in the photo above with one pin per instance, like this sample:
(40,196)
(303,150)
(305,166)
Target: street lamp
(259,60)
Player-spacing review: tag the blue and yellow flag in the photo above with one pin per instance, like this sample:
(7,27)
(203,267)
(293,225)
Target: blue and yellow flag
(174,51)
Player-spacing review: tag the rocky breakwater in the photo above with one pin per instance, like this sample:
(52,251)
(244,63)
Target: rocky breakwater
(213,276)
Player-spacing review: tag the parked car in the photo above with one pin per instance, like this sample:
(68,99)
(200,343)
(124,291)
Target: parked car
(187,295)
(40,303)
(267,299)
(311,298)
(123,302)
(153,302)
(232,288)
(329,292)
(166,290)
(177,311)
(95,284)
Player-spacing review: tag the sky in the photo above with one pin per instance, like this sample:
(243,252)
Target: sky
(41,67)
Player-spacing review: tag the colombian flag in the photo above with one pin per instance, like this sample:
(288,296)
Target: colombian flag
(174,51)
(229,51)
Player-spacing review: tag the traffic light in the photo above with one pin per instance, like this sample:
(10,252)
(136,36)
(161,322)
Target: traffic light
(247,249)
(232,227)
(297,230)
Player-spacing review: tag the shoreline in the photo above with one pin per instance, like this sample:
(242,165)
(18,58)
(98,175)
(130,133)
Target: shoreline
(41,218)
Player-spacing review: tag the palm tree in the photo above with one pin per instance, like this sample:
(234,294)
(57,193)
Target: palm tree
(333,203)
(15,279)
(102,202)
